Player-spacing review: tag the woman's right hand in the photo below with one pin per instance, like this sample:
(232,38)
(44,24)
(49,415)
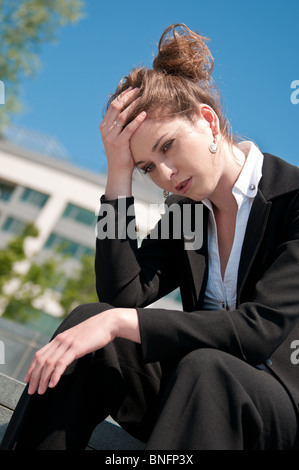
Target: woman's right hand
(116,140)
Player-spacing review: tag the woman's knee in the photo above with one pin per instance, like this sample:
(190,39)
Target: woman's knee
(205,358)
(204,366)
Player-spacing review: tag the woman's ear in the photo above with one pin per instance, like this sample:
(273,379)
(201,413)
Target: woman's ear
(208,114)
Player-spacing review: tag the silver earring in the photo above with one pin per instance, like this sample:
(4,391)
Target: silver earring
(213,147)
(165,193)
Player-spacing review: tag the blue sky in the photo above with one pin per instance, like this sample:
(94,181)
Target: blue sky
(255,45)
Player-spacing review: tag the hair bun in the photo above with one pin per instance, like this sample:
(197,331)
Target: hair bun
(184,53)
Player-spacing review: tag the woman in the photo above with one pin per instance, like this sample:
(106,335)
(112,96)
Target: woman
(219,374)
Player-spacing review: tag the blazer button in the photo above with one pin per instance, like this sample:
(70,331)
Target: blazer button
(269,362)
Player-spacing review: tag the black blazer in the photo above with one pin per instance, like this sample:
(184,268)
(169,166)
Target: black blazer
(263,328)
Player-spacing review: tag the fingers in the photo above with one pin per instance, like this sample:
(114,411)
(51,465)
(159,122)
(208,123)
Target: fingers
(48,365)
(118,111)
(116,137)
(53,370)
(133,125)
(50,362)
(122,104)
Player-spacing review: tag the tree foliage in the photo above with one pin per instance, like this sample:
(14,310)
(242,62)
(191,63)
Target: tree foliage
(13,253)
(80,288)
(19,289)
(25,26)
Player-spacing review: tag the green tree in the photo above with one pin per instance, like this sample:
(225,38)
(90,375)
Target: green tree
(19,290)
(80,288)
(13,253)
(25,26)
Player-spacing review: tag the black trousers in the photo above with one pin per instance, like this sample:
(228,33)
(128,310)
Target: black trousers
(206,400)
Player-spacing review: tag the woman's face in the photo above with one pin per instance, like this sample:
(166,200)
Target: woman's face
(175,153)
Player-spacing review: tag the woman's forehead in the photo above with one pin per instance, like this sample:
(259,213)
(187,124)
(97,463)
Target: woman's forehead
(151,130)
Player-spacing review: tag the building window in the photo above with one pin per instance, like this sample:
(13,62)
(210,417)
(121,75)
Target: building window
(66,246)
(6,191)
(33,197)
(13,225)
(79,215)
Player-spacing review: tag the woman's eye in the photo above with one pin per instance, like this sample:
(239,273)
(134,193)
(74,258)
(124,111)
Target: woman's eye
(167,145)
(148,168)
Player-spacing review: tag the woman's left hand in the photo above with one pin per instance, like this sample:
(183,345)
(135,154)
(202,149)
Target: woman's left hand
(50,362)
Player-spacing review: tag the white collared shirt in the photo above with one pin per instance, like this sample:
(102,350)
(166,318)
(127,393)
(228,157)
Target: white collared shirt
(221,293)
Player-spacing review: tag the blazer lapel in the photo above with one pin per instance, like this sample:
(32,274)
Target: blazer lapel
(197,261)
(269,188)
(253,236)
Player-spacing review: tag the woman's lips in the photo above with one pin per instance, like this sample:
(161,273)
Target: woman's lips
(184,186)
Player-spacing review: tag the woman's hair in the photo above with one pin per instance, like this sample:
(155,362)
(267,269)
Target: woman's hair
(179,80)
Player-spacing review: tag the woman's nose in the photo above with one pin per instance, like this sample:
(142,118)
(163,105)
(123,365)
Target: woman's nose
(167,171)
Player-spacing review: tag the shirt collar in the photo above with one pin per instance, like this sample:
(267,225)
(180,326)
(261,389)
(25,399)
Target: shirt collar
(249,178)
(251,173)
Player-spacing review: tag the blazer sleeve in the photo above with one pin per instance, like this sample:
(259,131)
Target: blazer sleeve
(253,331)
(128,276)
